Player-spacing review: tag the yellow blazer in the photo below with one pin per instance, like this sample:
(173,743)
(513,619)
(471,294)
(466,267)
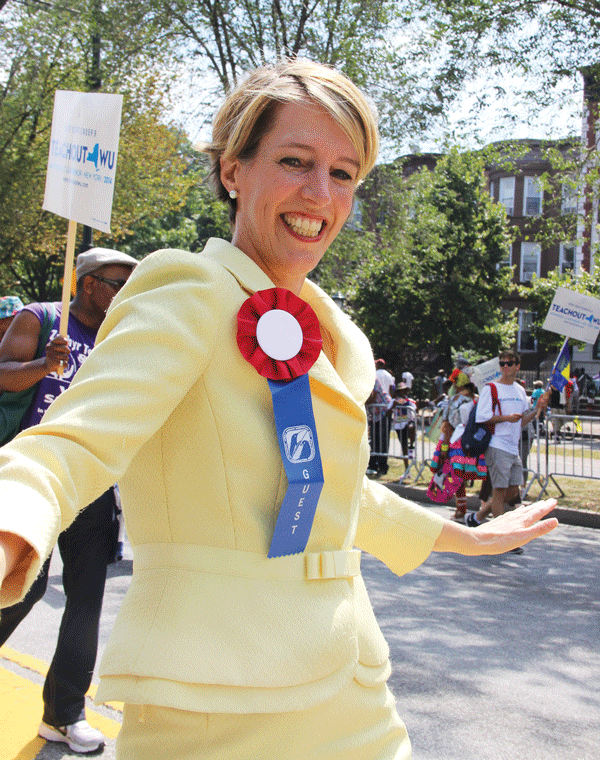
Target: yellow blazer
(167,406)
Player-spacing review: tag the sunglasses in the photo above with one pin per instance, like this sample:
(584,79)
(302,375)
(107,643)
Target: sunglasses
(116,284)
(507,364)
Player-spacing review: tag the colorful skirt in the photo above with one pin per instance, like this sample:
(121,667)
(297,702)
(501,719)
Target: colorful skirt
(467,468)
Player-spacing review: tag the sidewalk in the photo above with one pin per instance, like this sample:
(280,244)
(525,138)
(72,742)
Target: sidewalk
(418,494)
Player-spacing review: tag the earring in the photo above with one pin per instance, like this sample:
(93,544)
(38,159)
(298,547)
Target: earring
(233,194)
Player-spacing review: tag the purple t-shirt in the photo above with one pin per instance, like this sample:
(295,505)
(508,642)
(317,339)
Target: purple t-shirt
(81,340)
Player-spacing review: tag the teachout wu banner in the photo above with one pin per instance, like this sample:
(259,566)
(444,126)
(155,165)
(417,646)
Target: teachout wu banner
(82,160)
(574,315)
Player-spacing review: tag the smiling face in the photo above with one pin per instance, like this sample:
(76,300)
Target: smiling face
(294,194)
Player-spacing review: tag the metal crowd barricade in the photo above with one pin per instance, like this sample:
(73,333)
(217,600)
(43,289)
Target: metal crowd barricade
(384,440)
(529,450)
(570,446)
(562,445)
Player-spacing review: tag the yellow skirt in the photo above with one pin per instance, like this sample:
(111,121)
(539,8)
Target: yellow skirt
(359,723)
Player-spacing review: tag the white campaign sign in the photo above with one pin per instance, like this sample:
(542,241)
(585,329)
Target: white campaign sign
(82,160)
(486,373)
(574,315)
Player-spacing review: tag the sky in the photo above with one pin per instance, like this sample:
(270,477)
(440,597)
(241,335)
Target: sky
(510,118)
(505,117)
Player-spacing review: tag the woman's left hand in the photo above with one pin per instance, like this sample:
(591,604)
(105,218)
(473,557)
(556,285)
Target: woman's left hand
(500,535)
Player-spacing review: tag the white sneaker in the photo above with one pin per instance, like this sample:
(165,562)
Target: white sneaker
(80,736)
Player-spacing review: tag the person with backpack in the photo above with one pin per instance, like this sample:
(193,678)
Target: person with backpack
(449,448)
(508,416)
(35,359)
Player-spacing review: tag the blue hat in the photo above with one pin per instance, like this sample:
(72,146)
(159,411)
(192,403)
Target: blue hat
(9,306)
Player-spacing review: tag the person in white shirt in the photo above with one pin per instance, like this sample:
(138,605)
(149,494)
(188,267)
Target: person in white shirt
(407,379)
(387,380)
(502,455)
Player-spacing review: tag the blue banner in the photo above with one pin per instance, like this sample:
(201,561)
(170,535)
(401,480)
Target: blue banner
(297,437)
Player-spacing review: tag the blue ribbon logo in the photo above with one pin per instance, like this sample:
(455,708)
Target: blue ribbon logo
(299,446)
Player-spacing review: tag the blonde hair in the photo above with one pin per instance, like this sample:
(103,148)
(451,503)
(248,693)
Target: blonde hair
(248,111)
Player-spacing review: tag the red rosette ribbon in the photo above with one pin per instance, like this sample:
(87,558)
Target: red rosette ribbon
(281,300)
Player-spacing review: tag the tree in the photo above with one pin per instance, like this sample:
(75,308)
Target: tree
(438,282)
(45,48)
(540,294)
(545,41)
(189,225)
(371,42)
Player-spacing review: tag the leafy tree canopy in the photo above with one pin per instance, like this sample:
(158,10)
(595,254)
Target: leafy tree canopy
(544,41)
(438,281)
(540,294)
(46,48)
(375,43)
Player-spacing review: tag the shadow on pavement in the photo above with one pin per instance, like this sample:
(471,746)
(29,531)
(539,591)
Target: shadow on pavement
(496,657)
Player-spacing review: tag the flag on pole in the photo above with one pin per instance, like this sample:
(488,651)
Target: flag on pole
(561,372)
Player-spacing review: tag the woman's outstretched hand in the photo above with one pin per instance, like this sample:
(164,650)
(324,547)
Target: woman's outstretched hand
(12,548)
(502,534)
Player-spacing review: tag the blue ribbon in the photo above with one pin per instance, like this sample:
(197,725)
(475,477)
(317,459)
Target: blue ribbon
(297,438)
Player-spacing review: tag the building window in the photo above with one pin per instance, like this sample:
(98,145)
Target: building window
(355,222)
(567,257)
(526,338)
(530,260)
(532,196)
(506,194)
(569,199)
(507,260)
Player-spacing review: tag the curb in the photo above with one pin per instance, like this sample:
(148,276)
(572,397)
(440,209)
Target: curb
(580,517)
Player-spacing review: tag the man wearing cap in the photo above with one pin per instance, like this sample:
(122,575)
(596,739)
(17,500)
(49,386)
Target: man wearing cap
(9,306)
(86,545)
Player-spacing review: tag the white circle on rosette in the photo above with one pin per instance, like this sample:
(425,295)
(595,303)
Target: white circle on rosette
(279,335)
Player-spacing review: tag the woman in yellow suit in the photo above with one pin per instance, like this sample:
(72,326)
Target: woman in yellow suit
(220,651)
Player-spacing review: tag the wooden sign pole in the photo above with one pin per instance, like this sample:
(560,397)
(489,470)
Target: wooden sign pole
(67,278)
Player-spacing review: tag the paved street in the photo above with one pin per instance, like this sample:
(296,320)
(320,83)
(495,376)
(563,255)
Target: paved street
(494,658)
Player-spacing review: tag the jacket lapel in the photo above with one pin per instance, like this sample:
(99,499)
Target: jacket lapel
(250,276)
(344,380)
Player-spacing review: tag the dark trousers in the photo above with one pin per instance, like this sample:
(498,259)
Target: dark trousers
(85,548)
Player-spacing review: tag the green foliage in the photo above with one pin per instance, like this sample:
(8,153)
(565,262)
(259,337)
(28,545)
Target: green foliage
(540,294)
(35,60)
(437,282)
(342,266)
(156,166)
(543,41)
(372,42)
(45,48)
(188,227)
